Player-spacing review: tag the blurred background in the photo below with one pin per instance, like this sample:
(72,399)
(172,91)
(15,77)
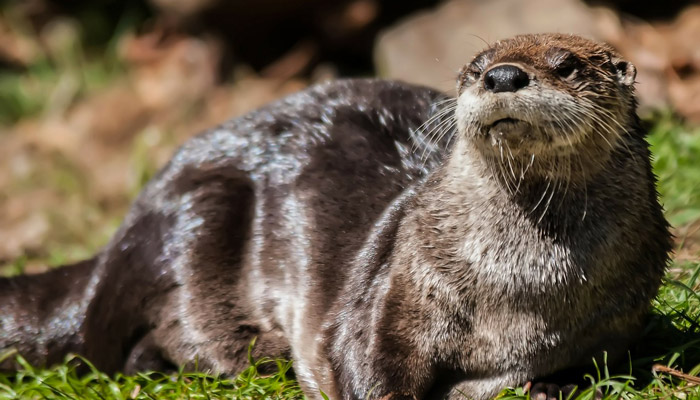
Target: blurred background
(95,95)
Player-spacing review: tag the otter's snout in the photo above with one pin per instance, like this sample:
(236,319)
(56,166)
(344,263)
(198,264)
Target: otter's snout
(505,78)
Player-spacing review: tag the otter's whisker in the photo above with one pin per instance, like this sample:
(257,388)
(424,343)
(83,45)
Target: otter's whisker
(532,161)
(430,135)
(511,160)
(453,132)
(617,132)
(585,192)
(449,128)
(562,197)
(609,129)
(542,197)
(421,130)
(503,173)
(436,135)
(546,207)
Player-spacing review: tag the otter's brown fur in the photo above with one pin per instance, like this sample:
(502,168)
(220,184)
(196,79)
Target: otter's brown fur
(387,262)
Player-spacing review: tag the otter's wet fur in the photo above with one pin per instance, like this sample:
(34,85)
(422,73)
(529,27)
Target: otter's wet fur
(393,242)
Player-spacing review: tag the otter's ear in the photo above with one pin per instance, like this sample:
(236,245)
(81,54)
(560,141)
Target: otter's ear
(626,72)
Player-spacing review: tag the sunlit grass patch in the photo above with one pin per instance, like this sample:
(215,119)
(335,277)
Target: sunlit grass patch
(61,72)
(65,382)
(676,158)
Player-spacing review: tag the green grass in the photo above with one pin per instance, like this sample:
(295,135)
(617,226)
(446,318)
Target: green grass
(52,84)
(62,71)
(65,382)
(676,150)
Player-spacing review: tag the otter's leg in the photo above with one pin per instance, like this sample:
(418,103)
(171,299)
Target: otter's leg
(133,281)
(41,315)
(384,361)
(396,376)
(549,391)
(172,274)
(553,391)
(205,319)
(147,355)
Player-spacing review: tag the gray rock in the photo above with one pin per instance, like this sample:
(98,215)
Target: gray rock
(429,47)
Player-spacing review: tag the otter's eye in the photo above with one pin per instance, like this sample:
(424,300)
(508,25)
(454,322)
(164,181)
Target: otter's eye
(564,63)
(566,70)
(468,75)
(479,63)
(472,73)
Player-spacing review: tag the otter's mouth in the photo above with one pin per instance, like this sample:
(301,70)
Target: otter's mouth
(508,128)
(504,121)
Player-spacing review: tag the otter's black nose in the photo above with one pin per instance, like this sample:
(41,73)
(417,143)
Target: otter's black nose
(505,78)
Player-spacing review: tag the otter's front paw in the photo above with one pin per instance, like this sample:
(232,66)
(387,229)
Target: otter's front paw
(398,396)
(550,391)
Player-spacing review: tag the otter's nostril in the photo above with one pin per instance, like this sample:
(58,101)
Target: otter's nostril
(505,78)
(489,83)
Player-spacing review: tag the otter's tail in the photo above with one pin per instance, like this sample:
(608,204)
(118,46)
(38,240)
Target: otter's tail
(41,315)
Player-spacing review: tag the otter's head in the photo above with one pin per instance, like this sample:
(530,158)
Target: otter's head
(554,99)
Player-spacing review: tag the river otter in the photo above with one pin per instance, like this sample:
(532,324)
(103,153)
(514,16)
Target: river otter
(390,254)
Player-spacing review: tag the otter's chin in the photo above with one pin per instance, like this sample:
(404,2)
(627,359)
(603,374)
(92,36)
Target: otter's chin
(513,134)
(510,129)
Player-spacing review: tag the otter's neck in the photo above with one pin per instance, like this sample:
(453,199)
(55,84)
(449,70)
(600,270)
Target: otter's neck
(467,222)
(537,188)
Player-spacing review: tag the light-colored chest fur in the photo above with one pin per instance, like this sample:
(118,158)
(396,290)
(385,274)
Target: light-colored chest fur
(521,290)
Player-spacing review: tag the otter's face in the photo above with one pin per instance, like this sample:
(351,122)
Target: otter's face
(545,94)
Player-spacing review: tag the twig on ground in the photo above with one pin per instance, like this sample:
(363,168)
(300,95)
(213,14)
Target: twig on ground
(678,374)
